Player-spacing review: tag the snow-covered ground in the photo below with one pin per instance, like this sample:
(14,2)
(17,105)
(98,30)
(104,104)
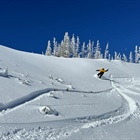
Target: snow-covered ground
(50,98)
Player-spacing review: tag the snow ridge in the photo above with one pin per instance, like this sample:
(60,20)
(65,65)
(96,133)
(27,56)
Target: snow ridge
(20,101)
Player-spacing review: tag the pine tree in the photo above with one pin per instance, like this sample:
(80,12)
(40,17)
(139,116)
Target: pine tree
(139,55)
(106,51)
(115,55)
(83,50)
(55,48)
(131,57)
(136,54)
(65,46)
(119,57)
(97,54)
(92,49)
(77,47)
(73,46)
(89,50)
(109,57)
(61,48)
(124,58)
(49,49)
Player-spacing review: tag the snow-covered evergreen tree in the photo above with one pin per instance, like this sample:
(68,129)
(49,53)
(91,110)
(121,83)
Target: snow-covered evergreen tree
(83,50)
(97,54)
(136,54)
(65,46)
(49,49)
(77,47)
(139,55)
(62,48)
(106,52)
(73,46)
(92,49)
(124,58)
(119,57)
(109,57)
(55,48)
(131,57)
(115,55)
(58,50)
(89,50)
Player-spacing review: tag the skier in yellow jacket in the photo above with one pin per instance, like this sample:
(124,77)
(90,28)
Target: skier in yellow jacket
(101,72)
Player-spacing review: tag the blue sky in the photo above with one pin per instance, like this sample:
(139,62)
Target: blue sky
(27,25)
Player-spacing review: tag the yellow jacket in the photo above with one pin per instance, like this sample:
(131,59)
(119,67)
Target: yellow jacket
(102,70)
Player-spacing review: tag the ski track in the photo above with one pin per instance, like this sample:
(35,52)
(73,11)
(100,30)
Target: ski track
(128,107)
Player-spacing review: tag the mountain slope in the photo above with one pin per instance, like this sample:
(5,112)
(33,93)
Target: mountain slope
(60,98)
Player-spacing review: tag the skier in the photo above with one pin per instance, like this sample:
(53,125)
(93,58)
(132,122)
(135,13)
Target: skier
(101,72)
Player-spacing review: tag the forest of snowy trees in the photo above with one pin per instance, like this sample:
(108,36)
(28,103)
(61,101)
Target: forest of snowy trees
(70,48)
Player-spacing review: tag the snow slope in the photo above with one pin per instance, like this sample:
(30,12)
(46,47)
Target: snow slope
(50,98)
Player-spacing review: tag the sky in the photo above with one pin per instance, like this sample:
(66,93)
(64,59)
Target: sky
(27,25)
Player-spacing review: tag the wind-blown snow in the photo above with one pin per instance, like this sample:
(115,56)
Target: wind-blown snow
(55,98)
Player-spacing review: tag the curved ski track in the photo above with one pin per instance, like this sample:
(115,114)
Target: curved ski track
(127,108)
